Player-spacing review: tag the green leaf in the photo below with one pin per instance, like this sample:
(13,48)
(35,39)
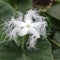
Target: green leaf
(24,5)
(6,11)
(56,54)
(43,52)
(56,40)
(8,54)
(54,11)
(20,5)
(55,24)
(57,37)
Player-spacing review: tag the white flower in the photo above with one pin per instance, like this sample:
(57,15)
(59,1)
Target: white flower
(32,24)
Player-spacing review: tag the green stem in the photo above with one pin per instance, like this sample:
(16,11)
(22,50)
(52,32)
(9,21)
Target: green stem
(23,47)
(55,43)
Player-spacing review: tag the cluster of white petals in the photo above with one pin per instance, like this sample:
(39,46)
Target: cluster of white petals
(32,23)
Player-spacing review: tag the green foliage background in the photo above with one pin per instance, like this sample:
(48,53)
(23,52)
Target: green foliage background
(47,49)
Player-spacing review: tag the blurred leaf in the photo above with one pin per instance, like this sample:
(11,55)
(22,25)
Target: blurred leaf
(22,5)
(56,40)
(22,40)
(25,5)
(57,37)
(6,54)
(54,11)
(55,24)
(6,11)
(56,54)
(43,52)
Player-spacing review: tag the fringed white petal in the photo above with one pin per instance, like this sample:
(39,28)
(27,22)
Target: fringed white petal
(28,18)
(31,42)
(36,25)
(13,34)
(33,13)
(34,32)
(19,24)
(32,24)
(23,32)
(20,16)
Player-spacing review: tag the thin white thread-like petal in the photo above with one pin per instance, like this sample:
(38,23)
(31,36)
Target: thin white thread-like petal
(20,16)
(31,42)
(13,33)
(36,25)
(34,32)
(33,24)
(19,24)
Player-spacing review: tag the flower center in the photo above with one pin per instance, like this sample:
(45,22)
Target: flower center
(28,26)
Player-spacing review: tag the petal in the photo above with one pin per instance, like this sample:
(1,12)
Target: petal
(34,32)
(20,16)
(12,19)
(19,24)
(28,18)
(13,33)
(23,32)
(36,24)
